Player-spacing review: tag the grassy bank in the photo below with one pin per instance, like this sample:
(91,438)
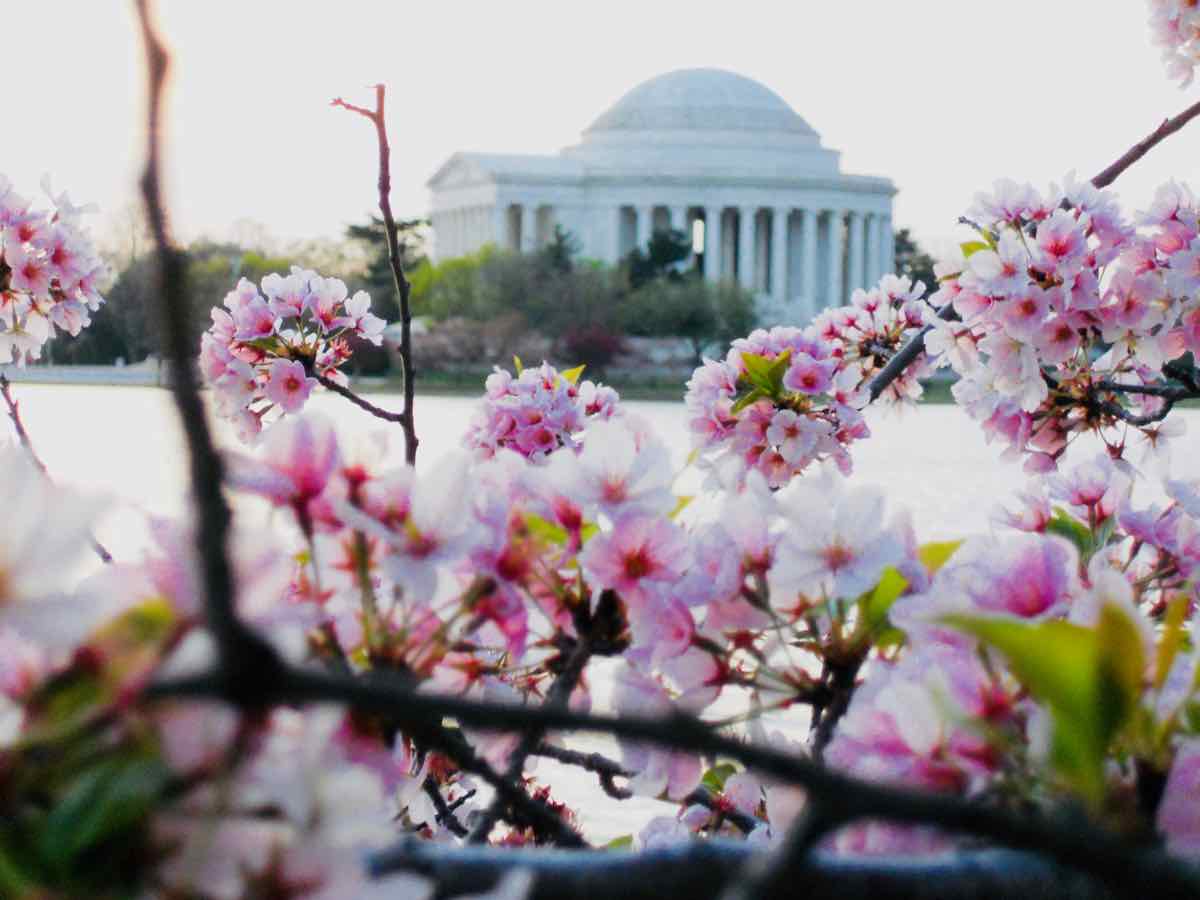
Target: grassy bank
(470,384)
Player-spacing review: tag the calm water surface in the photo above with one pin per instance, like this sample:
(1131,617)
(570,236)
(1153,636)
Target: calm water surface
(125,442)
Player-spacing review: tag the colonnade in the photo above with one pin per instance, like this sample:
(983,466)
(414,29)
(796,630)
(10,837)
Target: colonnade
(816,256)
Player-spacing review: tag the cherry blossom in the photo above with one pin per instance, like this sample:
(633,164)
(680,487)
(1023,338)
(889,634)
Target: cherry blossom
(50,273)
(263,352)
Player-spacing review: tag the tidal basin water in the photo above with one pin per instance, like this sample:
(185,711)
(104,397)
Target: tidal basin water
(125,442)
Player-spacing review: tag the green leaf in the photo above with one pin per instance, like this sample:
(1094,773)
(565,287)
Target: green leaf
(681,503)
(517,364)
(969,248)
(878,601)
(1088,678)
(934,555)
(546,530)
(1173,635)
(778,369)
(99,804)
(714,779)
(572,375)
(1063,524)
(758,372)
(624,842)
(749,398)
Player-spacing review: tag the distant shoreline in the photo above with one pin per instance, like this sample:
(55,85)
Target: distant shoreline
(446,384)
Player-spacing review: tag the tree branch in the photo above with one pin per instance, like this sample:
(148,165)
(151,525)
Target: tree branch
(403,288)
(910,351)
(556,698)
(14,413)
(700,869)
(1072,843)
(357,400)
(445,815)
(243,656)
(608,770)
(1167,128)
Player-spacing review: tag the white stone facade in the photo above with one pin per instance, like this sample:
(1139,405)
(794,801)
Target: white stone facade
(693,145)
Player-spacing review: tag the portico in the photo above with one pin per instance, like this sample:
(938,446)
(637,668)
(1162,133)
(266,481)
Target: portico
(701,146)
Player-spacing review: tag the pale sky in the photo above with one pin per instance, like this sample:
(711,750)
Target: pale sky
(942,96)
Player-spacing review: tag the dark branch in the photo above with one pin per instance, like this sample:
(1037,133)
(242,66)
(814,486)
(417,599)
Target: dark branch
(1144,146)
(243,655)
(358,401)
(607,769)
(699,870)
(556,698)
(403,288)
(1071,843)
(445,815)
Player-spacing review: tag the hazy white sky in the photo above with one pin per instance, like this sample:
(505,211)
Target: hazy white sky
(943,96)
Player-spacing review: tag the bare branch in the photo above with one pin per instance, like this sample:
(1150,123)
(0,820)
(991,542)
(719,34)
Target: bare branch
(403,288)
(608,770)
(1073,843)
(445,815)
(1168,127)
(556,698)
(244,657)
(699,870)
(14,413)
(358,400)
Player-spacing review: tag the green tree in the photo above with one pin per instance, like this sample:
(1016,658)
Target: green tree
(378,281)
(708,315)
(664,252)
(914,262)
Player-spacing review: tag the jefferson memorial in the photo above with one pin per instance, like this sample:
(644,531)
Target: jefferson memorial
(704,151)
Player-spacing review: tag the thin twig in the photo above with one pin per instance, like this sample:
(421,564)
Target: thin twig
(1167,128)
(14,413)
(607,770)
(556,698)
(403,288)
(445,815)
(908,354)
(359,401)
(702,796)
(771,875)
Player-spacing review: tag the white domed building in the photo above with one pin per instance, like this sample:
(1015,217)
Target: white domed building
(693,146)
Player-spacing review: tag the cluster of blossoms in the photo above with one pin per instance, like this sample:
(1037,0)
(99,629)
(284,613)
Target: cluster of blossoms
(537,412)
(948,715)
(1175,27)
(1067,314)
(482,576)
(787,398)
(262,351)
(50,274)
(875,325)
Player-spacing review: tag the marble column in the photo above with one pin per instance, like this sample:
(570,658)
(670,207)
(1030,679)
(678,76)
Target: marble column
(889,247)
(808,261)
(528,227)
(616,218)
(779,254)
(746,248)
(712,243)
(874,254)
(679,220)
(497,225)
(833,289)
(645,226)
(857,275)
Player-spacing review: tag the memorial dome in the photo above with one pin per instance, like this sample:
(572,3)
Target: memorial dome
(701,100)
